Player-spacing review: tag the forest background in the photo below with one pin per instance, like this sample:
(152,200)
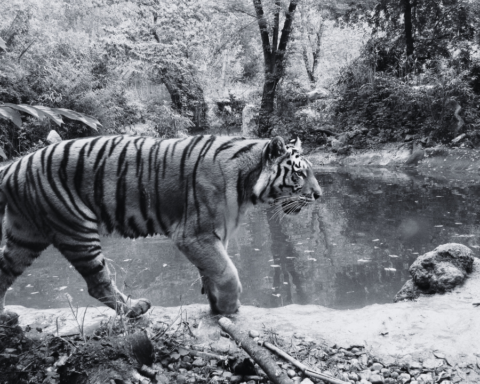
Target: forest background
(373,71)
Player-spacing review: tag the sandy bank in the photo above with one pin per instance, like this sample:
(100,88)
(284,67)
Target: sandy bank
(447,324)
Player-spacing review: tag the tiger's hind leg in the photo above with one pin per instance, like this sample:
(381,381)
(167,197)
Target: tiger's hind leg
(87,258)
(23,246)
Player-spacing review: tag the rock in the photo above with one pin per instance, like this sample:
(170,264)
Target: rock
(414,365)
(53,137)
(425,378)
(181,379)
(249,123)
(376,367)
(291,373)
(442,269)
(223,346)
(353,376)
(432,364)
(365,374)
(376,379)
(254,333)
(404,377)
(385,372)
(437,271)
(306,381)
(364,382)
(199,362)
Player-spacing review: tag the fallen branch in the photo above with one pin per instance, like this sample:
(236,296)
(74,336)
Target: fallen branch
(258,354)
(307,371)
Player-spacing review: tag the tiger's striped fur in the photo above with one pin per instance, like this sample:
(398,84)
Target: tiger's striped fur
(194,190)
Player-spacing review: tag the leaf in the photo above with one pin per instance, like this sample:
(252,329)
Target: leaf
(11,115)
(3,44)
(50,114)
(27,109)
(2,153)
(91,122)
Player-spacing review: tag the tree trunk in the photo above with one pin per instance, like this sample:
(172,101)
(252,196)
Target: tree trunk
(408,27)
(187,98)
(274,56)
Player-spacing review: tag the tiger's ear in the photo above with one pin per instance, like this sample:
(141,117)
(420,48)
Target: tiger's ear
(275,148)
(297,144)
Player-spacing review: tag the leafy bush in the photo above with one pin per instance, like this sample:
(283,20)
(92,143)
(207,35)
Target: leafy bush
(392,107)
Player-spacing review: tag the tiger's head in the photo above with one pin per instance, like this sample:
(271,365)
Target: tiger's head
(286,178)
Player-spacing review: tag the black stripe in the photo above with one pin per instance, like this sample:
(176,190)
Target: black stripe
(80,248)
(87,271)
(186,153)
(117,140)
(98,196)
(226,146)
(32,246)
(121,200)
(139,155)
(121,158)
(133,227)
(53,183)
(92,144)
(79,169)
(165,161)
(243,150)
(100,154)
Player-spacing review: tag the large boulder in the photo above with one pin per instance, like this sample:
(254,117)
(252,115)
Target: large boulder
(437,271)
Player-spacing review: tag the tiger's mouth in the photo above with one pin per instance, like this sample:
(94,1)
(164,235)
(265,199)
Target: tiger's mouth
(294,206)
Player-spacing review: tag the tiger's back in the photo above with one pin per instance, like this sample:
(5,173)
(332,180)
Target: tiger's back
(194,190)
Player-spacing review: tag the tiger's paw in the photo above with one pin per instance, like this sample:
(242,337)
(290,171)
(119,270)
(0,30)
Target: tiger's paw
(8,318)
(138,307)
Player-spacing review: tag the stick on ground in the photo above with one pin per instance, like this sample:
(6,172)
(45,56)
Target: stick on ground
(260,355)
(307,371)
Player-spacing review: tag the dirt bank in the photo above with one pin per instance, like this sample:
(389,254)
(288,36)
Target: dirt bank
(448,163)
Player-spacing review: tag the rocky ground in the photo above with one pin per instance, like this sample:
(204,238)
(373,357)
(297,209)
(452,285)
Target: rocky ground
(149,351)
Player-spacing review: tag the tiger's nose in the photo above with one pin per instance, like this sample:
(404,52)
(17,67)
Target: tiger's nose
(316,195)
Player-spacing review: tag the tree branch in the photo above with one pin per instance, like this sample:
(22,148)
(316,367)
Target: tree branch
(276,27)
(287,28)
(262,24)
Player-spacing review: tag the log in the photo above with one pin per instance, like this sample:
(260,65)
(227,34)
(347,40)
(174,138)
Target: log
(260,355)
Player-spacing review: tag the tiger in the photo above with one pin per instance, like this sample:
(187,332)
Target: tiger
(195,190)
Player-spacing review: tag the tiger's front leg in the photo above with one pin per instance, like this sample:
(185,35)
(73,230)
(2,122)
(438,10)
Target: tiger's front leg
(219,275)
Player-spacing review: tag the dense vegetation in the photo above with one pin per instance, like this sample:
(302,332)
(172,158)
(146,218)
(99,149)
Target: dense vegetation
(392,68)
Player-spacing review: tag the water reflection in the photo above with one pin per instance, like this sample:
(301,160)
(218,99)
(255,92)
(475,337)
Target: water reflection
(352,250)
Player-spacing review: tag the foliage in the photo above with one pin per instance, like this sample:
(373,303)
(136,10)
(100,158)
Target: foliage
(392,107)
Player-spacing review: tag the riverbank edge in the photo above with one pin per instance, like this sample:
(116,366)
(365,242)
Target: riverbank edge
(439,325)
(401,155)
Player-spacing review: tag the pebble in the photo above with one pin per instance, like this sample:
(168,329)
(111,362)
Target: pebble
(432,363)
(198,362)
(376,367)
(365,375)
(425,378)
(394,375)
(385,372)
(181,379)
(306,381)
(291,373)
(363,381)
(376,379)
(353,376)
(414,365)
(254,333)
(404,377)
